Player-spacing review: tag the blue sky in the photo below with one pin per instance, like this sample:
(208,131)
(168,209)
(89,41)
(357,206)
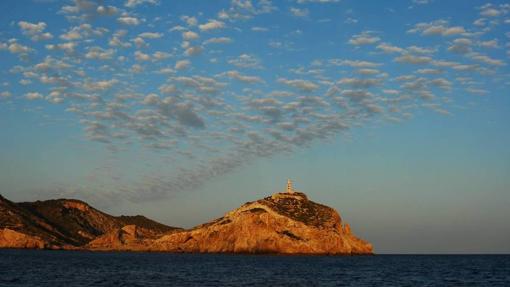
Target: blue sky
(395,114)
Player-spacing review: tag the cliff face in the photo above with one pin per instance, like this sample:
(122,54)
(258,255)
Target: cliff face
(19,228)
(75,220)
(61,224)
(282,224)
(13,239)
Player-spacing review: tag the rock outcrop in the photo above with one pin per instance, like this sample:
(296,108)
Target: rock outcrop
(129,237)
(283,224)
(12,239)
(21,228)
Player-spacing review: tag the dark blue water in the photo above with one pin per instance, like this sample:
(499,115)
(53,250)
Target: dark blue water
(67,268)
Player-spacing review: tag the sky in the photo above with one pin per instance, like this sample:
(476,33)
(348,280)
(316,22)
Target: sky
(395,113)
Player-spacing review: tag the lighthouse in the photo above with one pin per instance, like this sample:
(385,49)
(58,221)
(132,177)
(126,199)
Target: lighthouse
(289,186)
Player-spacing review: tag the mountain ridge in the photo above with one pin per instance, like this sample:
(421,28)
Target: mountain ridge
(62,223)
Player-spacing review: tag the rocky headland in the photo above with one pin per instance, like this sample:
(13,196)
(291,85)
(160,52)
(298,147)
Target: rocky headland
(283,223)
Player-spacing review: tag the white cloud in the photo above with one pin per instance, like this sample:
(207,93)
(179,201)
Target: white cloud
(412,59)
(350,20)
(388,48)
(219,40)
(135,68)
(68,48)
(33,96)
(193,51)
(441,83)
(438,27)
(368,72)
(16,48)
(71,35)
(166,70)
(429,71)
(99,53)
(201,84)
(189,35)
(35,31)
(83,31)
(454,31)
(297,12)
(100,85)
(436,108)
(158,55)
(243,78)
(25,82)
(139,42)
(461,46)
(246,9)
(31,28)
(5,95)
(116,40)
(182,64)
(150,35)
(167,90)
(128,20)
(140,56)
(365,38)
(151,99)
(489,44)
(486,59)
(300,84)
(246,61)
(421,50)
(178,28)
(358,83)
(211,25)
(134,3)
(391,92)
(421,2)
(55,97)
(259,29)
(190,21)
(489,11)
(107,10)
(477,91)
(354,63)
(356,94)
(480,22)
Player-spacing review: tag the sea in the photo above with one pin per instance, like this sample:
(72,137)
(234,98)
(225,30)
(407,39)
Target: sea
(77,268)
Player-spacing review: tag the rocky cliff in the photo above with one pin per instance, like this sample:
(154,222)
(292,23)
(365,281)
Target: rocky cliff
(20,228)
(284,223)
(62,224)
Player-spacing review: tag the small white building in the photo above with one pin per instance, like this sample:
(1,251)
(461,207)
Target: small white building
(289,186)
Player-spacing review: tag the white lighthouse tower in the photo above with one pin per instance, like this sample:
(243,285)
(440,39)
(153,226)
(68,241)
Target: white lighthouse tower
(289,186)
